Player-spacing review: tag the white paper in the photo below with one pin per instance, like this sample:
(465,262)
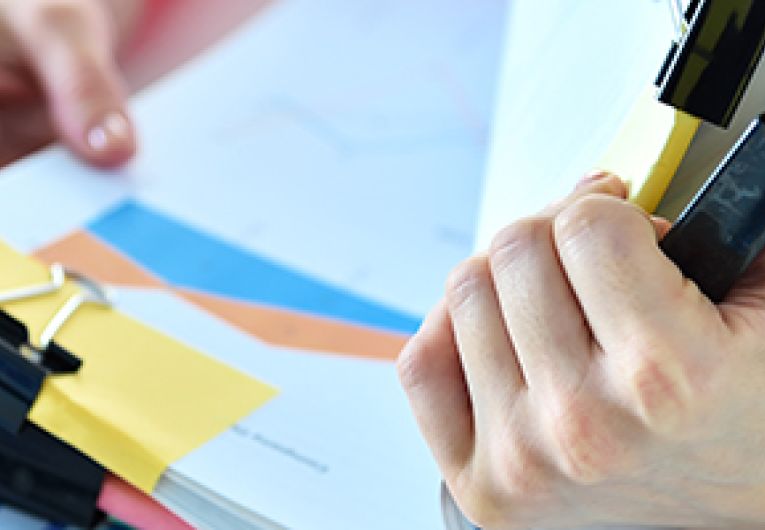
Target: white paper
(337,449)
(570,73)
(360,164)
(345,139)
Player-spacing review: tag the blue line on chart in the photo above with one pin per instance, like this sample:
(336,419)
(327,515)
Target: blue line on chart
(189,258)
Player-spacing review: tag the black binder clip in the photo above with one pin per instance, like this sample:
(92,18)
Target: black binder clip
(39,473)
(43,476)
(709,67)
(25,365)
(722,230)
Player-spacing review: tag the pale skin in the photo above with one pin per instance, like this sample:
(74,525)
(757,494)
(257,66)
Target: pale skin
(571,377)
(59,78)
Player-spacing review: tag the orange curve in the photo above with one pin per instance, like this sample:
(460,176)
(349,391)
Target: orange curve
(89,255)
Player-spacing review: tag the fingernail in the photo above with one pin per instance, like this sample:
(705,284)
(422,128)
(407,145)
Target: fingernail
(594,176)
(661,225)
(616,185)
(112,131)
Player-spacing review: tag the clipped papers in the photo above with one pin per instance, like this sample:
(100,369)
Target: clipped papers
(141,400)
(298,158)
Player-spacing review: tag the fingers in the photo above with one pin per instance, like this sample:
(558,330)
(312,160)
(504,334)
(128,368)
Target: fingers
(69,45)
(658,331)
(541,312)
(583,349)
(491,368)
(622,280)
(431,374)
(503,309)
(515,321)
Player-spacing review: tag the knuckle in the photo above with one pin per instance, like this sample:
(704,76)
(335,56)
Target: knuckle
(412,364)
(660,388)
(585,450)
(582,216)
(515,465)
(610,218)
(520,475)
(466,279)
(609,183)
(517,240)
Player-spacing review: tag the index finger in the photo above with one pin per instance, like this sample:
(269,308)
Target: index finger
(69,46)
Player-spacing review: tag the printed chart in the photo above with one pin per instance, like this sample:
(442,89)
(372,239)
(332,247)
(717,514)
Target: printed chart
(134,246)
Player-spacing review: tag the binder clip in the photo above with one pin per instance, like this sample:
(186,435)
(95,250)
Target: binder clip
(722,230)
(39,473)
(45,477)
(710,65)
(25,365)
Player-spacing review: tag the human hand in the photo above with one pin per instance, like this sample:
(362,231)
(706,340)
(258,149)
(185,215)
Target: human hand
(573,377)
(59,78)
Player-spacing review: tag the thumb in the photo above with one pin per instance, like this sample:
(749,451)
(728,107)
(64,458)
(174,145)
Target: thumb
(69,45)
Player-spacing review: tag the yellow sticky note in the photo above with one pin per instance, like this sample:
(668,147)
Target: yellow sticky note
(649,148)
(141,400)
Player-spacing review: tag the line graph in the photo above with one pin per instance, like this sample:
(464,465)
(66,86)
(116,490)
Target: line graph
(133,246)
(336,132)
(370,106)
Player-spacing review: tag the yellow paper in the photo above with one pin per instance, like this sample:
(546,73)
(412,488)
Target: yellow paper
(141,400)
(649,148)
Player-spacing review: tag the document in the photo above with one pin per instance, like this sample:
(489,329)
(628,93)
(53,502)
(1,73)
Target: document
(571,72)
(302,191)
